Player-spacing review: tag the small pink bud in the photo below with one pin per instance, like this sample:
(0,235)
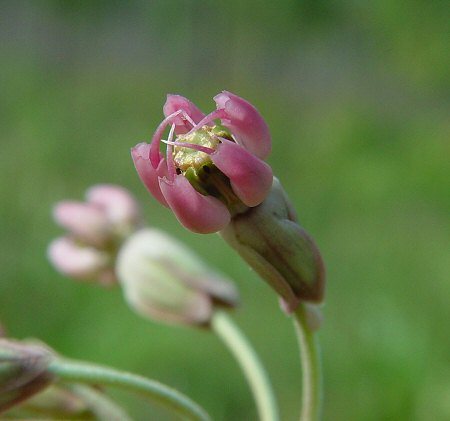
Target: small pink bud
(96,229)
(75,261)
(84,221)
(118,204)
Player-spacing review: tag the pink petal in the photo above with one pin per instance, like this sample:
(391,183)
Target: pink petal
(76,261)
(85,221)
(148,174)
(251,178)
(178,102)
(198,213)
(118,203)
(245,123)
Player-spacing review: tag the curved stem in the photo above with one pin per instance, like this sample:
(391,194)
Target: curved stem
(99,404)
(247,358)
(83,372)
(310,359)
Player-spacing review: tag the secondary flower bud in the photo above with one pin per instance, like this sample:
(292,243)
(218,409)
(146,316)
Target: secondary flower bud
(272,242)
(163,280)
(80,261)
(95,230)
(211,171)
(23,372)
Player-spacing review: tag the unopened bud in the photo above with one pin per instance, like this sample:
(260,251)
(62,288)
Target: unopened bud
(23,372)
(272,242)
(95,230)
(162,279)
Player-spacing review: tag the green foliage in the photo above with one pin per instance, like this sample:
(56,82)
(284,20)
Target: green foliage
(357,98)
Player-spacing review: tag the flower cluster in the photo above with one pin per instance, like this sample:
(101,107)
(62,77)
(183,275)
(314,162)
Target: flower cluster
(160,277)
(211,171)
(95,229)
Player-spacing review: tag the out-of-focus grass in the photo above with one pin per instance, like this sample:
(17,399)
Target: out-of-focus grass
(358,112)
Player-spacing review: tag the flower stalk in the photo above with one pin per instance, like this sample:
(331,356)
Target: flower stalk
(105,409)
(81,372)
(311,366)
(250,364)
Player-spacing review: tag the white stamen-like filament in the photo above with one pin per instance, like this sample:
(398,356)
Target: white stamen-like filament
(169,152)
(194,146)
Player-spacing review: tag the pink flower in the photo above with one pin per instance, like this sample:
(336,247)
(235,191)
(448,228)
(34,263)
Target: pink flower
(95,230)
(210,171)
(80,261)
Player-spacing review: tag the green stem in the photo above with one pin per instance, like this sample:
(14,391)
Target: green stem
(99,404)
(250,364)
(310,359)
(88,373)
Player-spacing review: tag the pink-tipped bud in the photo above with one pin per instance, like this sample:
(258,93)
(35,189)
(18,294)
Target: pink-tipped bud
(245,123)
(165,281)
(84,221)
(96,228)
(120,207)
(77,261)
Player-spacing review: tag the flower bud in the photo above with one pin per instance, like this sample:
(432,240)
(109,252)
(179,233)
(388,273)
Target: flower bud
(95,230)
(121,209)
(80,262)
(163,280)
(269,238)
(23,372)
(83,221)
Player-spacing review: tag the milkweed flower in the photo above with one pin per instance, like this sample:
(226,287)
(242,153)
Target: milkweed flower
(165,281)
(95,230)
(214,179)
(211,171)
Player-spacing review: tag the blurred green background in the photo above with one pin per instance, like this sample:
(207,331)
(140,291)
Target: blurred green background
(357,98)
